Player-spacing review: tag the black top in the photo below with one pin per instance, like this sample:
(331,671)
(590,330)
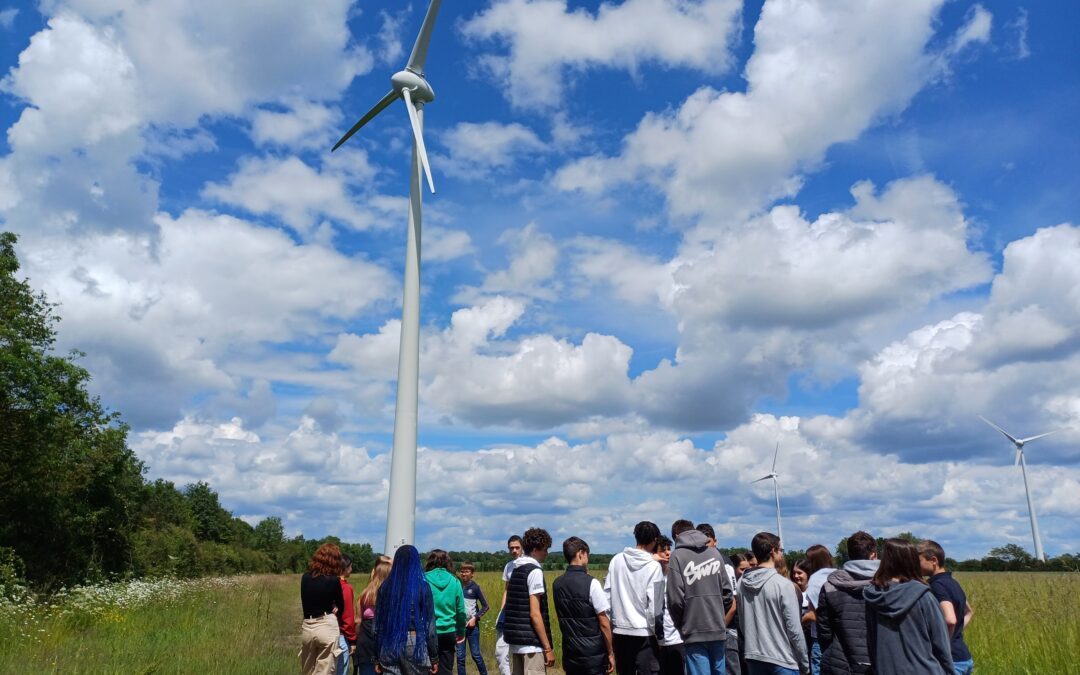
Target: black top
(945,588)
(320,595)
(584,650)
(518,629)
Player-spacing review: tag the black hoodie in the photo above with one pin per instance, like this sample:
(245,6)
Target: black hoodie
(698,589)
(906,631)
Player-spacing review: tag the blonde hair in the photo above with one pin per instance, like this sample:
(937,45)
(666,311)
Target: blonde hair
(378,576)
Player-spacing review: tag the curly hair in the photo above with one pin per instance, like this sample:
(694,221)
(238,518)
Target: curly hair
(326,562)
(439,558)
(535,539)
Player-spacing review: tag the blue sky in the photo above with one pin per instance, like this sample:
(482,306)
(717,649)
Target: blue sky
(666,235)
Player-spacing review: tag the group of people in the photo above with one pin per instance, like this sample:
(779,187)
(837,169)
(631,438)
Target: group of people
(667,606)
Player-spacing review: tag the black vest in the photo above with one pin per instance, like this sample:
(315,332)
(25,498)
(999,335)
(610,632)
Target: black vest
(584,650)
(517,626)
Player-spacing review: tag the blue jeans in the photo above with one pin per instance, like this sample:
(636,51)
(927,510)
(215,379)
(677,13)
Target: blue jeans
(762,668)
(343,660)
(472,639)
(705,658)
(815,657)
(964,667)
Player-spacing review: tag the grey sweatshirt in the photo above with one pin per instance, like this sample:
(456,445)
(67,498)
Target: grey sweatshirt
(698,589)
(769,620)
(907,633)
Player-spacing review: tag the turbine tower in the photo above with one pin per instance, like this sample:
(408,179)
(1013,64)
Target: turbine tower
(776,492)
(1019,444)
(411,86)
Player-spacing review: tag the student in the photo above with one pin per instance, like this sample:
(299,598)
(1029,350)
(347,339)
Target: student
(405,639)
(741,563)
(841,610)
(705,529)
(819,567)
(502,650)
(672,655)
(953,602)
(631,585)
(476,606)
(364,657)
(527,629)
(321,598)
(449,607)
(699,595)
(769,614)
(907,634)
(800,577)
(581,606)
(346,618)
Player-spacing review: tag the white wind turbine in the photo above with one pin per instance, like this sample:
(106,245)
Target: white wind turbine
(411,86)
(776,492)
(1019,444)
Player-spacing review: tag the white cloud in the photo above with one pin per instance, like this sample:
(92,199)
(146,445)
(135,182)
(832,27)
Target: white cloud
(478,149)
(7,17)
(441,244)
(546,40)
(976,29)
(820,74)
(305,125)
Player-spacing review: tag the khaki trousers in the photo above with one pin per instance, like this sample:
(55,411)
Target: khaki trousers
(527,664)
(319,648)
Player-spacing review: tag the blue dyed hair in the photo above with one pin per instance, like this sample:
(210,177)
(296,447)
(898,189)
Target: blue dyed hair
(404,604)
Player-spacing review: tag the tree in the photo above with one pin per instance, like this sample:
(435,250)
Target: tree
(212,522)
(1011,553)
(69,485)
(269,535)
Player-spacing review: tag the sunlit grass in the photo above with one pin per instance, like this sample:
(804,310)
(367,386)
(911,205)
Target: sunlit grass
(1024,623)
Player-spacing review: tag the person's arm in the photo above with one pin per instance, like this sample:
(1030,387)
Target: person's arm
(824,620)
(968,613)
(537,620)
(482,605)
(730,615)
(459,613)
(789,604)
(605,629)
(939,636)
(339,598)
(948,612)
(432,636)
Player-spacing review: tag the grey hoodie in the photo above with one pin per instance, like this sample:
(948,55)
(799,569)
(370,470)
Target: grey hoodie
(769,623)
(698,589)
(907,633)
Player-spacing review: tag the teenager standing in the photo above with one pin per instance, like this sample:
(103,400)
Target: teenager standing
(907,634)
(321,598)
(820,566)
(364,656)
(528,629)
(699,595)
(769,614)
(841,610)
(346,618)
(502,650)
(672,652)
(449,606)
(581,606)
(476,606)
(953,602)
(405,638)
(631,583)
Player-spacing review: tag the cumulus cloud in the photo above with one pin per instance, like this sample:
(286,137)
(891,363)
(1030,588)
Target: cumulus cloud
(477,149)
(546,41)
(304,125)
(821,73)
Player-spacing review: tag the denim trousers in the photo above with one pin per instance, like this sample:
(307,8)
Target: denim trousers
(705,658)
(762,668)
(343,659)
(815,657)
(964,667)
(472,641)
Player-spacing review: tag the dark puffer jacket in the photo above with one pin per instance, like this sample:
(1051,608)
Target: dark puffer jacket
(841,619)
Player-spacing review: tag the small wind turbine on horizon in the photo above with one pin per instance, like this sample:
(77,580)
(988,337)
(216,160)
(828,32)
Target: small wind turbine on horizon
(1019,444)
(411,86)
(776,492)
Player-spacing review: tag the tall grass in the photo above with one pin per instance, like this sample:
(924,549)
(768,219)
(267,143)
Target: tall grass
(1024,623)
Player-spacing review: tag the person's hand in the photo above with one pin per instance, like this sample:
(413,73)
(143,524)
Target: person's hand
(611,662)
(461,639)
(434,668)
(471,623)
(352,649)
(378,668)
(549,658)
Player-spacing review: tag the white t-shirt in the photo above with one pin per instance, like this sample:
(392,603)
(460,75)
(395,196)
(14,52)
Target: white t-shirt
(598,597)
(536,587)
(508,570)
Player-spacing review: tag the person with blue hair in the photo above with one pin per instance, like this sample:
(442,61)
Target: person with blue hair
(405,638)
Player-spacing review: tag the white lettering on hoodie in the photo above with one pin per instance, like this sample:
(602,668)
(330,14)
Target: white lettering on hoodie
(694,573)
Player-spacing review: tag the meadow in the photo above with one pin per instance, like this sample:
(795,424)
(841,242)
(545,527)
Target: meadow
(1024,623)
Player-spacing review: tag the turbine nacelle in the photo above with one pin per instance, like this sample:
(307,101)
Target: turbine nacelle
(418,86)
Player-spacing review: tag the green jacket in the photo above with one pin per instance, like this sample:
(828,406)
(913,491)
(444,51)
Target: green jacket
(449,601)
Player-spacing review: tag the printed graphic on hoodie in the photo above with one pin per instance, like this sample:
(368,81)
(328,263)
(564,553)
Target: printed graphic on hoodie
(693,573)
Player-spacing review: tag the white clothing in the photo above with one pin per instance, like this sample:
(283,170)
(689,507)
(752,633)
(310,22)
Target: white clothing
(631,586)
(536,587)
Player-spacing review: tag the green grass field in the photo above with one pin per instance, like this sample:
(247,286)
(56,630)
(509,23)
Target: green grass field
(1024,623)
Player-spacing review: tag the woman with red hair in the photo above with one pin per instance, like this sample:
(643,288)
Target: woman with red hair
(322,598)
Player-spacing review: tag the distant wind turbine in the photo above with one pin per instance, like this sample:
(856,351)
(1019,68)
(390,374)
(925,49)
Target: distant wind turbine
(411,86)
(776,492)
(1019,444)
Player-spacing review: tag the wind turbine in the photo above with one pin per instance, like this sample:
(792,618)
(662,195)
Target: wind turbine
(411,86)
(1019,443)
(776,492)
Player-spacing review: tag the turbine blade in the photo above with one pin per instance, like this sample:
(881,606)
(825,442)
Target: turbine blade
(761,479)
(379,107)
(775,453)
(1033,438)
(418,136)
(1006,433)
(1018,453)
(423,39)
